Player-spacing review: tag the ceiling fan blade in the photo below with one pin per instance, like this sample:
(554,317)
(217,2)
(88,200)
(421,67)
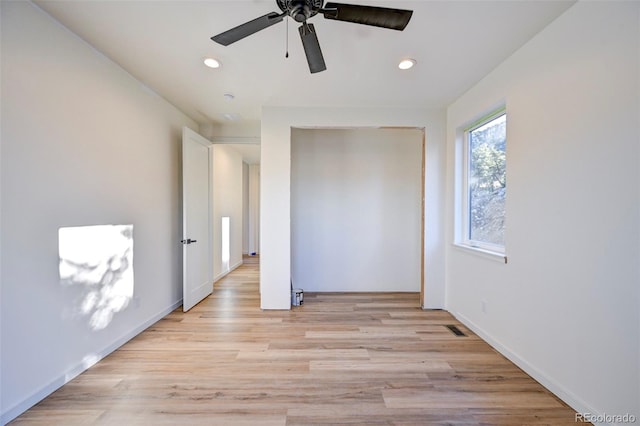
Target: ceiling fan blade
(395,19)
(248,28)
(312,48)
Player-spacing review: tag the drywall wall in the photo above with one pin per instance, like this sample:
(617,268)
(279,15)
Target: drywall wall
(245,208)
(254,208)
(83,143)
(275,203)
(227,202)
(356,214)
(565,307)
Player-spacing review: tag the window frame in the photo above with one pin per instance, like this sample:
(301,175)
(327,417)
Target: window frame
(464,220)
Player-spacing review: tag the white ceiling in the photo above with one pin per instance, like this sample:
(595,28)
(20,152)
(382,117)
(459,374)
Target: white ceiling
(163,43)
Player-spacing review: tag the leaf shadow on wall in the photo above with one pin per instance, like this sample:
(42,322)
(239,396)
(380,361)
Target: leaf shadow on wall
(96,263)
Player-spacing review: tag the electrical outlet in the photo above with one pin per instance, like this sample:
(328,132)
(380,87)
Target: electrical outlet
(484,306)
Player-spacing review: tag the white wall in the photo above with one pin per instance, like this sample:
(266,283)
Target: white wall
(254,208)
(83,143)
(227,201)
(566,306)
(356,212)
(245,208)
(275,237)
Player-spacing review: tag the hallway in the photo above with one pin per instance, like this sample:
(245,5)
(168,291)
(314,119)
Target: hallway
(351,358)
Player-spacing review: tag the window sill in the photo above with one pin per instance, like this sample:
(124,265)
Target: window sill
(487,254)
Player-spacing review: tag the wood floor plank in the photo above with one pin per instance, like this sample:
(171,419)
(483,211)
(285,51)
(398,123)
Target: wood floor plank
(392,367)
(305,354)
(403,398)
(341,358)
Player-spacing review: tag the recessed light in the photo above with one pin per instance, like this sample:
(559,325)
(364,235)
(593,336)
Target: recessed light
(405,64)
(212,63)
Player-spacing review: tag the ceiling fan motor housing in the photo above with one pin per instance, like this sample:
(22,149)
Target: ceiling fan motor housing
(300,10)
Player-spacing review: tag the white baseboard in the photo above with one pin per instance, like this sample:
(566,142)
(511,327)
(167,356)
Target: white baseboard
(75,371)
(224,274)
(568,397)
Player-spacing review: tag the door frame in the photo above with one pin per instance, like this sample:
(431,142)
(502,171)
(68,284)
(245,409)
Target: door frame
(422,186)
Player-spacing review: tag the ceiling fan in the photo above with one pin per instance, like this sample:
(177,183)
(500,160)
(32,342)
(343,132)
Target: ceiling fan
(302,10)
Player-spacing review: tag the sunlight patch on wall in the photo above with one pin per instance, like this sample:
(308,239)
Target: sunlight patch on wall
(97,262)
(226,241)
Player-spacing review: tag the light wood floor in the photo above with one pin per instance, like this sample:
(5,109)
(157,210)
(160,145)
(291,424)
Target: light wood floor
(357,359)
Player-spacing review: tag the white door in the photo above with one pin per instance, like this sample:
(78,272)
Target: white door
(197,256)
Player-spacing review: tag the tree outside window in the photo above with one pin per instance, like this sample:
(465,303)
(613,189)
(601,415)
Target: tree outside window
(487,183)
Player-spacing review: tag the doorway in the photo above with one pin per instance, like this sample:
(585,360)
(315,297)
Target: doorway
(357,210)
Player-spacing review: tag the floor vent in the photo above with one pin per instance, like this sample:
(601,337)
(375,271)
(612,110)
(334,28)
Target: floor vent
(455,330)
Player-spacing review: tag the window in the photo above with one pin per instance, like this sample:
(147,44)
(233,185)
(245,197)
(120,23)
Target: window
(485,184)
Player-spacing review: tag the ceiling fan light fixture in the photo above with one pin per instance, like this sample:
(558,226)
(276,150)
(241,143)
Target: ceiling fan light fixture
(212,63)
(406,64)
